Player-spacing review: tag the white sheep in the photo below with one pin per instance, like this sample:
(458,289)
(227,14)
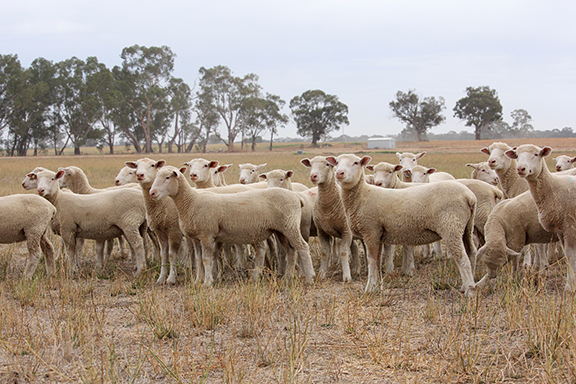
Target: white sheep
(218,178)
(421,174)
(408,161)
(126,175)
(282,179)
(512,184)
(555,198)
(161,217)
(248,217)
(330,216)
(414,216)
(27,218)
(511,225)
(31,179)
(102,216)
(482,171)
(201,171)
(249,173)
(564,163)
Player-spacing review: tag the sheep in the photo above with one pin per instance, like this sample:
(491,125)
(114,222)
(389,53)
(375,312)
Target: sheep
(407,161)
(512,224)
(239,218)
(126,175)
(482,171)
(554,197)
(249,173)
(218,178)
(512,184)
(161,217)
(330,216)
(414,216)
(421,174)
(369,179)
(282,179)
(31,179)
(28,217)
(101,216)
(564,163)
(201,172)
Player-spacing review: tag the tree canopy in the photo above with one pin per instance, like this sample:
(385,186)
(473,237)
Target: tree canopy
(479,108)
(317,114)
(419,115)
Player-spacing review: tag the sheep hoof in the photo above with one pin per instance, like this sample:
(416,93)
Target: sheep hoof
(347,279)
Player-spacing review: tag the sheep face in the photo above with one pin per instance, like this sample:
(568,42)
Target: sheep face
(125,176)
(409,160)
(166,182)
(349,169)
(564,163)
(321,171)
(48,184)
(384,174)
(483,172)
(31,179)
(249,173)
(421,174)
(201,169)
(278,178)
(530,159)
(498,160)
(69,172)
(146,169)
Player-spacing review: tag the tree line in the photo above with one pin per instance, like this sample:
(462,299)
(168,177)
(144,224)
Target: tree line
(68,103)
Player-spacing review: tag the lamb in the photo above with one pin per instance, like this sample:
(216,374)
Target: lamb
(249,173)
(31,179)
(330,216)
(408,161)
(102,216)
(201,176)
(248,217)
(386,176)
(126,175)
(554,197)
(76,180)
(482,171)
(512,184)
(161,217)
(564,163)
(421,174)
(414,216)
(282,179)
(512,224)
(28,217)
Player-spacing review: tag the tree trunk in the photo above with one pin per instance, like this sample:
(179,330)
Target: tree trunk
(271,139)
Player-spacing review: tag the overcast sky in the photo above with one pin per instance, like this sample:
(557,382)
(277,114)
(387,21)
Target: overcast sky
(362,51)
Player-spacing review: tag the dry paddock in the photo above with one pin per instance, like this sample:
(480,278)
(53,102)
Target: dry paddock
(111,327)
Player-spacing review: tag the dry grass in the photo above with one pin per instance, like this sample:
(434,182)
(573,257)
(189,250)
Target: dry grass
(115,329)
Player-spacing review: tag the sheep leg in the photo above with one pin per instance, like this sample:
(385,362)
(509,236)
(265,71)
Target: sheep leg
(259,260)
(164,249)
(457,251)
(174,246)
(326,248)
(345,257)
(281,255)
(374,247)
(208,261)
(33,244)
(388,255)
(290,260)
(570,252)
(238,257)
(298,244)
(437,250)
(426,251)
(48,250)
(408,260)
(219,263)
(356,266)
(137,244)
(198,264)
(71,246)
(100,255)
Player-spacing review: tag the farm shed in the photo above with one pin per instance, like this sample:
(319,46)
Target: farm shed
(381,142)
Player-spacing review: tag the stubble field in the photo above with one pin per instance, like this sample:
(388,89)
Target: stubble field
(113,328)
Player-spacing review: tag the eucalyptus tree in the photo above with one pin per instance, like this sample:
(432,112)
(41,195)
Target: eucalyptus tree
(418,114)
(317,113)
(480,109)
(181,106)
(207,120)
(226,93)
(146,73)
(263,115)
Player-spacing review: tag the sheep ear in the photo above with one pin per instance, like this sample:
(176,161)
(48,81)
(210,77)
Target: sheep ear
(431,171)
(213,164)
(511,154)
(475,166)
(31,176)
(223,168)
(59,174)
(485,150)
(131,164)
(546,151)
(182,170)
(370,168)
(160,163)
(365,160)
(259,167)
(420,155)
(187,163)
(332,160)
(263,176)
(306,162)
(511,253)
(289,173)
(397,168)
(398,154)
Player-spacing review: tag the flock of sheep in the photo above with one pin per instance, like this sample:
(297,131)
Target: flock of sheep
(511,201)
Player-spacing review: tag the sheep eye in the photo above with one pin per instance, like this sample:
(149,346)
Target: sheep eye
(355,163)
(205,165)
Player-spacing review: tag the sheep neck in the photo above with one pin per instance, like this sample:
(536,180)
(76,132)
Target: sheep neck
(327,193)
(79,184)
(509,177)
(353,195)
(185,195)
(205,184)
(542,186)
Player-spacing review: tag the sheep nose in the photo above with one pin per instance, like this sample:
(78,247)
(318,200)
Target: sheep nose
(340,175)
(313,177)
(117,182)
(521,169)
(242,181)
(140,176)
(193,176)
(378,184)
(558,168)
(41,191)
(492,162)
